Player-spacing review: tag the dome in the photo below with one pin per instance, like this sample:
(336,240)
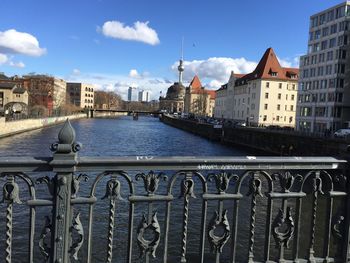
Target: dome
(175,91)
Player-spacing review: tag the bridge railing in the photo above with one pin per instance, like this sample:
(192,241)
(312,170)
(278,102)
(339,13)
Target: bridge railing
(173,209)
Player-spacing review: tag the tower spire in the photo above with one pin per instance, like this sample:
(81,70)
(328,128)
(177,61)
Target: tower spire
(181,68)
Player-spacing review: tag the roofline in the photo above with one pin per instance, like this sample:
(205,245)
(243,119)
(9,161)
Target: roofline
(328,9)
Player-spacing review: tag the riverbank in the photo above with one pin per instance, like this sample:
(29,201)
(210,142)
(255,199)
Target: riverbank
(268,141)
(9,128)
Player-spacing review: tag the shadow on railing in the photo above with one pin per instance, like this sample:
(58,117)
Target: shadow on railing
(173,209)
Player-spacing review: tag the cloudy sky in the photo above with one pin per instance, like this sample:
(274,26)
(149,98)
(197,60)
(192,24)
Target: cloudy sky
(115,44)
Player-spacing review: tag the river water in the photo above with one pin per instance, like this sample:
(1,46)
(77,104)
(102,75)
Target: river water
(125,137)
(118,137)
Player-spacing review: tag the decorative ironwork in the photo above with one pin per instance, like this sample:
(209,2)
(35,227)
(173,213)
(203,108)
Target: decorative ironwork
(287,180)
(76,183)
(10,196)
(222,180)
(218,242)
(151,181)
(43,246)
(254,191)
(66,140)
(50,182)
(187,191)
(112,193)
(63,235)
(338,226)
(285,221)
(148,246)
(112,190)
(78,228)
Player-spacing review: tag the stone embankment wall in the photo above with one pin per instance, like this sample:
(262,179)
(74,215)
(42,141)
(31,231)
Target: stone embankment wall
(107,114)
(266,141)
(8,128)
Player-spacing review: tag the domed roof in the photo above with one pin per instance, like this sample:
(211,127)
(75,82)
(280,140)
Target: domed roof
(175,91)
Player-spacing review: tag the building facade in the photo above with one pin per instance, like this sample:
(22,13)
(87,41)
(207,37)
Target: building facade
(13,97)
(45,91)
(324,86)
(80,95)
(198,100)
(267,96)
(132,94)
(144,96)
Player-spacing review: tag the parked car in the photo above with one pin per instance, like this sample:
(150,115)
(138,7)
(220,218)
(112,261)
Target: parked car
(342,133)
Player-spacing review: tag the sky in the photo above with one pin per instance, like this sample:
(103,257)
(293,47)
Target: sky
(115,44)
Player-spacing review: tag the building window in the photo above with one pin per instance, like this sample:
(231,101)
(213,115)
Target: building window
(265,106)
(265,118)
(278,118)
(317,34)
(321,57)
(334,29)
(280,85)
(279,96)
(266,95)
(332,42)
(329,55)
(278,107)
(292,97)
(325,31)
(267,84)
(291,107)
(290,119)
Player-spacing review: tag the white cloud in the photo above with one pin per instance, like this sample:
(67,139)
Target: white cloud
(17,64)
(121,83)
(3,59)
(290,62)
(140,31)
(14,42)
(76,71)
(134,74)
(215,71)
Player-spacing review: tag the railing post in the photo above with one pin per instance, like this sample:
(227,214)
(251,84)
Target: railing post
(346,236)
(63,164)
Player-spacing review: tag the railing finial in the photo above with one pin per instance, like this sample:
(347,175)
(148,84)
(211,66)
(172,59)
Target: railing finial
(66,140)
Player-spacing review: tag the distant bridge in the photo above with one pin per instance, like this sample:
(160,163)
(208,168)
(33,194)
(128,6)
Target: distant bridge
(93,112)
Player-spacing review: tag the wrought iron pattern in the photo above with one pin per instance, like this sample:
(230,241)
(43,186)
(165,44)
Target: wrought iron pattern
(63,235)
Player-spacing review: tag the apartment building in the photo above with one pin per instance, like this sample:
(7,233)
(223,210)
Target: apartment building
(324,99)
(266,96)
(80,95)
(198,100)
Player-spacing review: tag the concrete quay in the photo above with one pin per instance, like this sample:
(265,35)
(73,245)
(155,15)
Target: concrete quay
(283,143)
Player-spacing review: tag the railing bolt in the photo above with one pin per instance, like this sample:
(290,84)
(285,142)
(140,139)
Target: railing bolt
(58,239)
(59,260)
(59,217)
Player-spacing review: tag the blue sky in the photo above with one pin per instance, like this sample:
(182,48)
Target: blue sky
(74,38)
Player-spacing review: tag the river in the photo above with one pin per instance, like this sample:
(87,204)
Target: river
(118,137)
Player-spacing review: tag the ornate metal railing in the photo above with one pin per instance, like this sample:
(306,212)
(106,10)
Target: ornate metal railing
(217,209)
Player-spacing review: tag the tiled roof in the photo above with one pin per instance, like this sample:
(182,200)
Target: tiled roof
(3,76)
(196,83)
(270,68)
(7,85)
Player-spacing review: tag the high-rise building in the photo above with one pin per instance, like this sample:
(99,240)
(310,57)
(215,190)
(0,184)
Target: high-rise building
(144,96)
(324,91)
(132,94)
